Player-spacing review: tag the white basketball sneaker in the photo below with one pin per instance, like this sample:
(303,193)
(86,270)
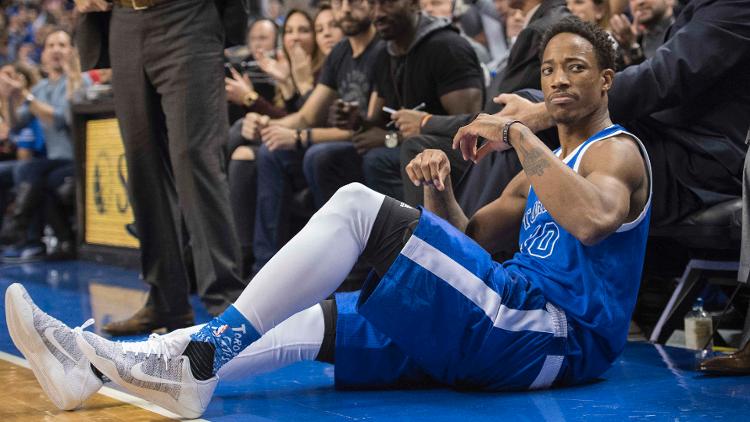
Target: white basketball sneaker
(50,347)
(154,370)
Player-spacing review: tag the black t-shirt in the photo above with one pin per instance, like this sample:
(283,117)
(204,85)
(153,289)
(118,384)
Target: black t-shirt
(440,63)
(352,77)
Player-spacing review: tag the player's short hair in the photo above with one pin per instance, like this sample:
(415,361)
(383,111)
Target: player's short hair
(599,39)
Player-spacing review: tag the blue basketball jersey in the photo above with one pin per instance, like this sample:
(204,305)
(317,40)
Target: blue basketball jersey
(595,285)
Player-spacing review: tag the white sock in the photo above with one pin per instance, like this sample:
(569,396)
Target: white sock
(315,262)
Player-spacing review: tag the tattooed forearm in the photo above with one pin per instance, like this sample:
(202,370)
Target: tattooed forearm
(534,160)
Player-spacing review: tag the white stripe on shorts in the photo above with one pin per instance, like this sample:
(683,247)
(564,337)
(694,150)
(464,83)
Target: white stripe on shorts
(474,289)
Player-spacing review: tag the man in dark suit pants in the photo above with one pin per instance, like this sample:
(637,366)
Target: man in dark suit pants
(167,76)
(521,72)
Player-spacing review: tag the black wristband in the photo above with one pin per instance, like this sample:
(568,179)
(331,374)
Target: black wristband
(298,139)
(506,131)
(309,137)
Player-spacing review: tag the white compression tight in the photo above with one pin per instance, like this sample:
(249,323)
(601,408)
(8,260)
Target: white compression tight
(282,301)
(315,262)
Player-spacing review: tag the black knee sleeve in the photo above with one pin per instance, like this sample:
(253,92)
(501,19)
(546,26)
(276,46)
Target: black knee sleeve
(391,230)
(328,348)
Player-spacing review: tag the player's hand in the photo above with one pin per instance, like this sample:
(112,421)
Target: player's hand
(407,121)
(533,115)
(278,137)
(237,87)
(489,127)
(369,139)
(86,6)
(430,167)
(252,124)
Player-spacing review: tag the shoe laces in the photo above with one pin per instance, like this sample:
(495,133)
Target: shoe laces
(89,322)
(156,345)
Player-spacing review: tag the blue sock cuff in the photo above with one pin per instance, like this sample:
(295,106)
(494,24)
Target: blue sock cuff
(230,333)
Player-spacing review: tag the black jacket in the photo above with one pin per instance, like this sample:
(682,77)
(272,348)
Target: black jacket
(698,81)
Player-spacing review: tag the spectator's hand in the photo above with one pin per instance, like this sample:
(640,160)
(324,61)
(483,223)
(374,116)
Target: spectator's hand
(279,137)
(277,68)
(252,124)
(369,139)
(344,115)
(623,31)
(10,88)
(237,87)
(533,115)
(301,65)
(429,167)
(86,6)
(489,127)
(407,121)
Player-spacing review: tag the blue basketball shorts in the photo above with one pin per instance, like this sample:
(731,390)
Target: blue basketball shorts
(445,313)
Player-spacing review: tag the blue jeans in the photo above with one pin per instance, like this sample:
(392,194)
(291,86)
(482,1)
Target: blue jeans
(279,175)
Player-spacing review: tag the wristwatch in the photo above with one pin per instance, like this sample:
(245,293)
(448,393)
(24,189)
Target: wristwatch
(249,99)
(391,140)
(29,97)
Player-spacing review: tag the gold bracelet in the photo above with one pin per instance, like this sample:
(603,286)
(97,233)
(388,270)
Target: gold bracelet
(249,99)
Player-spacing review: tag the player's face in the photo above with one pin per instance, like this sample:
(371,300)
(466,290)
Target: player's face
(353,16)
(392,18)
(327,32)
(574,86)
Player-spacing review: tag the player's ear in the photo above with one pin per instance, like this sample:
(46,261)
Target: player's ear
(607,75)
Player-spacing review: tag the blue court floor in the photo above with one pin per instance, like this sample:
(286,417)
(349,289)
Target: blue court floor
(647,383)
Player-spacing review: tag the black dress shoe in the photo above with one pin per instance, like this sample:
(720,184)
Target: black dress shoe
(147,320)
(735,363)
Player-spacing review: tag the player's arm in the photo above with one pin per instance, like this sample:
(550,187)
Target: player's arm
(313,112)
(591,204)
(495,226)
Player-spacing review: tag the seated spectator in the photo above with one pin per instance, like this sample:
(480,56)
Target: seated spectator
(522,72)
(447,9)
(640,39)
(20,143)
(244,142)
(598,13)
(296,67)
(248,88)
(48,101)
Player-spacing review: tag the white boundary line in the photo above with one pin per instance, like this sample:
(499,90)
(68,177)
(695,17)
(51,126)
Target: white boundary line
(109,392)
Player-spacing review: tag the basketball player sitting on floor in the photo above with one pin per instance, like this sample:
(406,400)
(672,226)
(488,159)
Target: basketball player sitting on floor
(437,309)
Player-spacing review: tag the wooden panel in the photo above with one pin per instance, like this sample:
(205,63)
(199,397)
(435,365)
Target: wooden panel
(107,205)
(22,399)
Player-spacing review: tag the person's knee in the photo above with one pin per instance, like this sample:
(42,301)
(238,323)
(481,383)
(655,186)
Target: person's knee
(243,153)
(354,197)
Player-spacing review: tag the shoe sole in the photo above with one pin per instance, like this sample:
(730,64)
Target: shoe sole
(28,342)
(110,370)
